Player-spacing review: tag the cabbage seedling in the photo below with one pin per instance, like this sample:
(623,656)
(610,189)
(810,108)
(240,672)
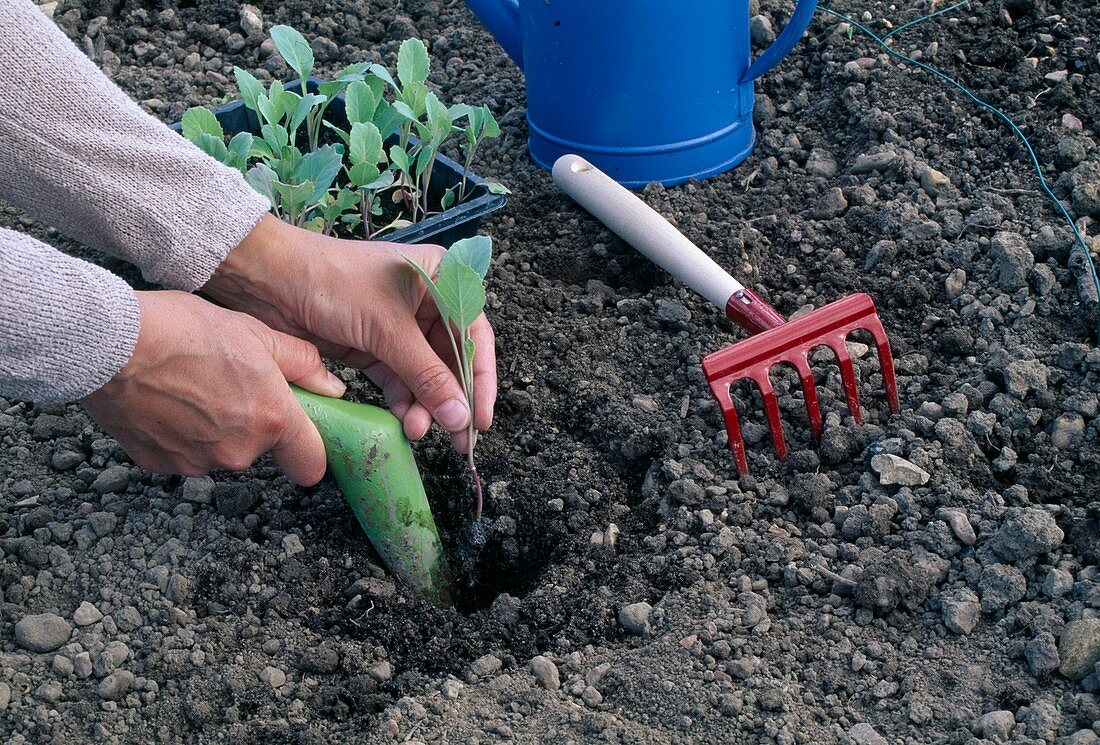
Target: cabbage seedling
(459,293)
(480,124)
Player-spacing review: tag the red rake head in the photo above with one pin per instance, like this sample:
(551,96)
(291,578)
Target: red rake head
(791,343)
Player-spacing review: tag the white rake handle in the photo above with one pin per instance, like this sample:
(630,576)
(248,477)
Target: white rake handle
(639,225)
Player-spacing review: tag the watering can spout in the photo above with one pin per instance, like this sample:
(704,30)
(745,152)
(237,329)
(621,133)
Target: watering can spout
(501,18)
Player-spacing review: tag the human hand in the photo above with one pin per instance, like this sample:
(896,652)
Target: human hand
(360,303)
(207,388)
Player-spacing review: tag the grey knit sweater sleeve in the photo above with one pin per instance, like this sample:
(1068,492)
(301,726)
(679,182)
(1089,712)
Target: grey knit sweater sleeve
(78,154)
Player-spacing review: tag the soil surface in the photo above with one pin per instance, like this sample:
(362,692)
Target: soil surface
(929,576)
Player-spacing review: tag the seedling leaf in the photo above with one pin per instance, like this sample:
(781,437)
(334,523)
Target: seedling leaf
(433,288)
(474,253)
(360,102)
(197,121)
(240,147)
(412,62)
(365,144)
(495,187)
(261,177)
(320,169)
(251,88)
(461,292)
(295,50)
(471,348)
(399,158)
(212,146)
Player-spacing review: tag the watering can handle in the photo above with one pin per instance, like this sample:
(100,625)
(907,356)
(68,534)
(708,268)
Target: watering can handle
(781,47)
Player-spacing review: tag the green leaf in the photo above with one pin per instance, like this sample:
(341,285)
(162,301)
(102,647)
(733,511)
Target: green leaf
(320,169)
(365,144)
(344,136)
(382,74)
(363,174)
(475,252)
(294,196)
(275,136)
(212,146)
(495,187)
(471,349)
(414,95)
(197,121)
(240,147)
(267,109)
(384,180)
(490,127)
(315,225)
(412,62)
(460,110)
(387,119)
(439,117)
(399,158)
(461,292)
(295,50)
(403,109)
(261,177)
(430,284)
(448,198)
(302,109)
(360,102)
(261,149)
(251,88)
(423,160)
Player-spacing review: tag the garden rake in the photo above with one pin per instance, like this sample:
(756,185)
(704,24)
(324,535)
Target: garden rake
(776,340)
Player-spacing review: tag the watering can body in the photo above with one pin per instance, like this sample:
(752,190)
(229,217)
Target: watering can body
(646,90)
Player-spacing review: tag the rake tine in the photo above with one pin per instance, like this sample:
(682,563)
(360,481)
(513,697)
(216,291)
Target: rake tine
(771,408)
(848,375)
(721,391)
(885,361)
(809,393)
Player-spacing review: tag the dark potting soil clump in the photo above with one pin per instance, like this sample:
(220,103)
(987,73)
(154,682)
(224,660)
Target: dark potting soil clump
(925,577)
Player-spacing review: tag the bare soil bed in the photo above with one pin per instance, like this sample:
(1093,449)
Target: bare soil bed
(663,597)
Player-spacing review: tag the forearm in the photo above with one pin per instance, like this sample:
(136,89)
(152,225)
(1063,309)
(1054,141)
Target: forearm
(78,154)
(66,326)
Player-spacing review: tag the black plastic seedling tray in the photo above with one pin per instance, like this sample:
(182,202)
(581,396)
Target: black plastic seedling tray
(461,221)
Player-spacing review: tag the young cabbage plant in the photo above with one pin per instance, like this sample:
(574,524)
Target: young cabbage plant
(202,128)
(298,183)
(366,176)
(480,124)
(459,293)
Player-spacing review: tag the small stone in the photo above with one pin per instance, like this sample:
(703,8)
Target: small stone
(591,697)
(893,469)
(1081,737)
(995,725)
(1043,720)
(1069,121)
(961,611)
(382,671)
(273,676)
(832,204)
(1001,585)
(635,618)
(5,695)
(932,181)
(82,665)
(452,689)
(760,30)
(865,734)
(102,523)
(116,685)
(955,284)
(86,614)
(1079,648)
(199,490)
(42,632)
(323,660)
(1042,654)
(1067,431)
(252,21)
(1057,582)
(672,313)
(292,544)
(62,666)
(1012,260)
(546,673)
(486,665)
(960,526)
(1026,533)
(821,163)
(113,480)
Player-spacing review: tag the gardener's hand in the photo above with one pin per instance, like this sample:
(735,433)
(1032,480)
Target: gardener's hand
(363,305)
(207,388)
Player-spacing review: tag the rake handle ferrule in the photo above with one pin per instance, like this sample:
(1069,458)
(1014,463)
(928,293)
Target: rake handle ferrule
(749,311)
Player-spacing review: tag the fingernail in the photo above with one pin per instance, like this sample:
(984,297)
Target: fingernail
(339,388)
(453,415)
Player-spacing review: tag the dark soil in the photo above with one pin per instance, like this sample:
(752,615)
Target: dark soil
(812,601)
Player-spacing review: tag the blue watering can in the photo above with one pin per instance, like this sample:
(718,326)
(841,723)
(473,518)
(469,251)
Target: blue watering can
(646,90)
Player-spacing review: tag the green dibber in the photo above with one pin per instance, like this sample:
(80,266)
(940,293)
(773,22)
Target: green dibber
(373,464)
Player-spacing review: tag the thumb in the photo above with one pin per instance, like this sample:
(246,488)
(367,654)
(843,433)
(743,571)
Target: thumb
(431,381)
(300,363)
(299,451)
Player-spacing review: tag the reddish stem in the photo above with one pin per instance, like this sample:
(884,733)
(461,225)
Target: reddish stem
(477,488)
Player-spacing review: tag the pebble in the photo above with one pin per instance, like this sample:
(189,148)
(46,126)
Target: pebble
(1026,532)
(635,618)
(116,685)
(1067,431)
(895,470)
(5,695)
(546,673)
(86,614)
(961,611)
(1042,654)
(102,523)
(760,30)
(1079,648)
(452,688)
(932,181)
(1069,121)
(955,283)
(273,676)
(199,490)
(994,725)
(865,734)
(821,163)
(831,204)
(292,544)
(591,697)
(960,526)
(1001,586)
(486,665)
(42,632)
(1012,260)
(112,480)
(252,21)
